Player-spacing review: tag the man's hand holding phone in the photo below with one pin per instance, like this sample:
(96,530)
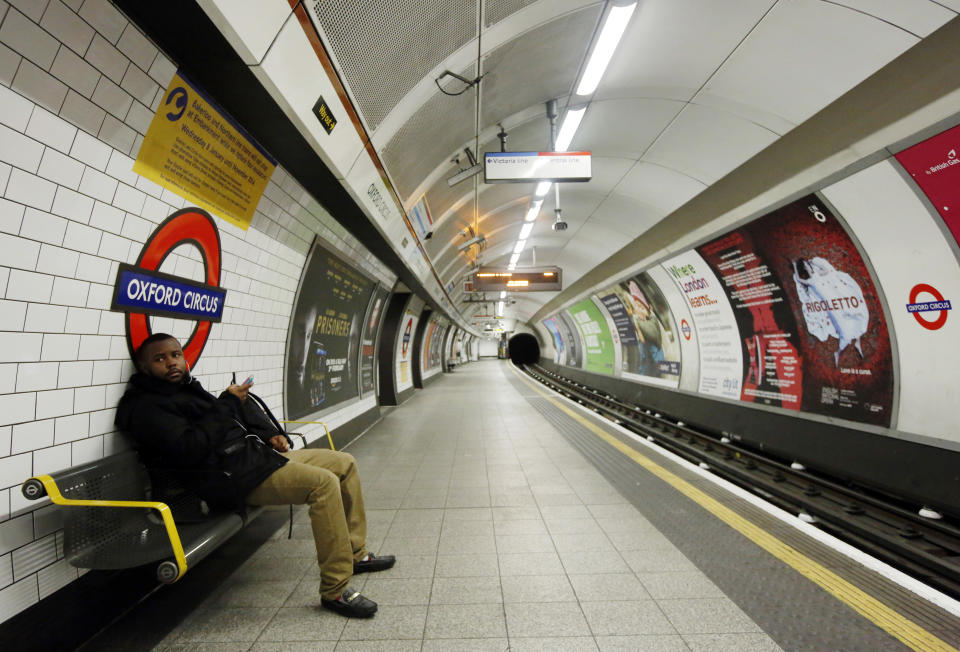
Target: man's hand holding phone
(241,391)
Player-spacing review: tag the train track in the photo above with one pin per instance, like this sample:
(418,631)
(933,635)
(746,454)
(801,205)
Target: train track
(927,549)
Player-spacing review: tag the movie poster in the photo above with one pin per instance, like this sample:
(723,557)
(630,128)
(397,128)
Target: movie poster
(718,342)
(597,343)
(323,352)
(646,329)
(371,325)
(812,329)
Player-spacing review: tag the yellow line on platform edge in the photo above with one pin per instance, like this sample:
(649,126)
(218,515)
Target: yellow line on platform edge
(888,619)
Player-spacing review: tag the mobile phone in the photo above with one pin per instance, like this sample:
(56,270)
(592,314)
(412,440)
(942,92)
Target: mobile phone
(248,381)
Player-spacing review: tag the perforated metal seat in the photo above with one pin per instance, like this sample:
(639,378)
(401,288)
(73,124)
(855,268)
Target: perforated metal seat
(104,535)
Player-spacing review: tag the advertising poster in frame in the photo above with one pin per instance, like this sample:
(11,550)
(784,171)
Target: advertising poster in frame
(812,329)
(371,326)
(324,346)
(598,345)
(646,328)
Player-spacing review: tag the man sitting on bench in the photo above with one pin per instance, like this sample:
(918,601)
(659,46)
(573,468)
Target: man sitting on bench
(178,424)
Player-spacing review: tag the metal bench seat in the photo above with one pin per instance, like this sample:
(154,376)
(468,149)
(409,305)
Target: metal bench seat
(111,521)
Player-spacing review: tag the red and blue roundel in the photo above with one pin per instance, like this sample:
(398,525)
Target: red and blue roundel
(140,290)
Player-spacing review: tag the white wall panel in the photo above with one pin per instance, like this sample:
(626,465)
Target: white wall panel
(906,246)
(295,78)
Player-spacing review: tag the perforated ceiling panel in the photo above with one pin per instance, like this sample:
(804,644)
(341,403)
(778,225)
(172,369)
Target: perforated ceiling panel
(496,10)
(386,46)
(438,128)
(536,66)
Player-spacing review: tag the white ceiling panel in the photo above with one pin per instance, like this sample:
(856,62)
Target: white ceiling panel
(607,173)
(646,119)
(627,215)
(919,17)
(662,189)
(802,56)
(673,46)
(705,143)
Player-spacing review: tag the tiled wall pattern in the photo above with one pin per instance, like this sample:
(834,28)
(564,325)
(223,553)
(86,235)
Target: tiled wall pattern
(78,87)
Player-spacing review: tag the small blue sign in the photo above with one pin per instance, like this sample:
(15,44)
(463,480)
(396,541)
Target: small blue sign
(929,306)
(153,293)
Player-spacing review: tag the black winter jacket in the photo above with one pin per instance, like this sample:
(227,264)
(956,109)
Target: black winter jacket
(183,426)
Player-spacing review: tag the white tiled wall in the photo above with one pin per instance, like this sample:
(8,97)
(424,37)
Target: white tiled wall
(78,85)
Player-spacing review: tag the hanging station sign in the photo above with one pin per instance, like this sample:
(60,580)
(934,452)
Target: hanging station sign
(531,279)
(522,167)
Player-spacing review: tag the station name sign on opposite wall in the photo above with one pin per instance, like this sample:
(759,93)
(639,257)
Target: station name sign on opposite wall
(194,149)
(522,167)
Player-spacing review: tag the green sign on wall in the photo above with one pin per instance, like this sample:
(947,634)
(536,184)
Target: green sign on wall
(596,337)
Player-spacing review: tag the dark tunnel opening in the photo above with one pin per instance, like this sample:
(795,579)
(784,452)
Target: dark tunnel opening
(524,349)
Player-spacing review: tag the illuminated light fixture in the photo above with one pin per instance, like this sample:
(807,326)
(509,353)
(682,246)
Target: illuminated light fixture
(513,261)
(534,210)
(525,230)
(503,294)
(548,273)
(571,122)
(610,35)
(520,245)
(542,189)
(522,283)
(512,266)
(490,274)
(499,307)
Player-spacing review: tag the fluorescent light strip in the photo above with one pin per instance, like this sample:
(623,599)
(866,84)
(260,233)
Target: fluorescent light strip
(542,189)
(513,261)
(503,294)
(610,35)
(499,307)
(534,210)
(512,266)
(571,121)
(525,230)
(520,245)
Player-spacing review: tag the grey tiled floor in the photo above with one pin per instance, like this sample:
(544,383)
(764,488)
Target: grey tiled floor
(506,538)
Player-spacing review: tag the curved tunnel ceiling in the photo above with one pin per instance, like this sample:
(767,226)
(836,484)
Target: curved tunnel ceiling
(695,89)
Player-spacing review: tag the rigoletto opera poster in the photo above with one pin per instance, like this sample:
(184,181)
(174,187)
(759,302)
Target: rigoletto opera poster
(811,325)
(323,354)
(646,328)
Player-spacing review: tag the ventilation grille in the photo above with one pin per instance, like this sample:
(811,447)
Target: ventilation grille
(537,66)
(496,10)
(385,47)
(439,128)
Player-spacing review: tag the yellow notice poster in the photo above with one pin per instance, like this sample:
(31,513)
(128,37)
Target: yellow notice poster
(194,150)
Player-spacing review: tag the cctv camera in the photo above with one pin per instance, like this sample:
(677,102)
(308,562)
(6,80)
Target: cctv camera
(559,225)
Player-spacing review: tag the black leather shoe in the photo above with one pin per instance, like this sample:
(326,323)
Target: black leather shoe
(374,564)
(351,604)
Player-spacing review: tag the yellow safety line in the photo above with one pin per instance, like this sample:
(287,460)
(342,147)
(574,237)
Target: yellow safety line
(54,492)
(329,438)
(863,603)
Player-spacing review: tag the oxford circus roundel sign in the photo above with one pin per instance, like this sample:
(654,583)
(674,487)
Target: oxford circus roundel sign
(141,290)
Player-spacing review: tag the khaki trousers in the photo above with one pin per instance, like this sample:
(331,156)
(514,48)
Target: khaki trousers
(328,482)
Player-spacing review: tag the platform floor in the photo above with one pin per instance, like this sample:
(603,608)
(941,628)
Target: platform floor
(515,528)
